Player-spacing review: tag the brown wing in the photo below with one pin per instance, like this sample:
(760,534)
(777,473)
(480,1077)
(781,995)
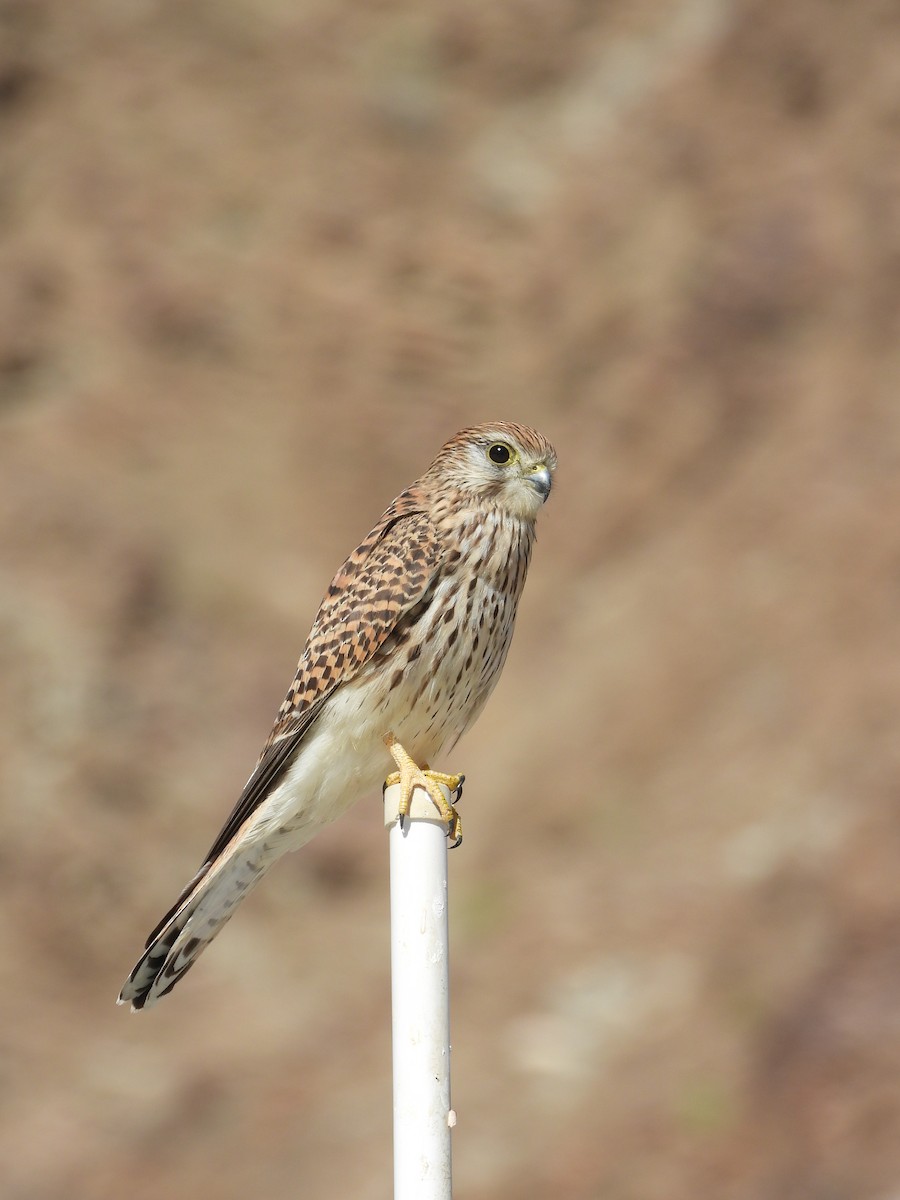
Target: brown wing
(383,579)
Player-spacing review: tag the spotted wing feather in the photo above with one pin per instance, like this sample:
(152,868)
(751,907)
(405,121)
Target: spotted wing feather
(383,579)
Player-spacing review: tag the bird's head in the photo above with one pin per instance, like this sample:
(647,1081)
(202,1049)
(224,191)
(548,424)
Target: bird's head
(500,465)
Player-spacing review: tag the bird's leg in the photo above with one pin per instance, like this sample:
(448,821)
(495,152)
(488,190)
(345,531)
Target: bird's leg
(410,776)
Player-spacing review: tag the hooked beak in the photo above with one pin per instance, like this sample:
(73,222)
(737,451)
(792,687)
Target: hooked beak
(540,480)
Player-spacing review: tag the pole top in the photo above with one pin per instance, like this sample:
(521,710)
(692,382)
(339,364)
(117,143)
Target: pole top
(422,807)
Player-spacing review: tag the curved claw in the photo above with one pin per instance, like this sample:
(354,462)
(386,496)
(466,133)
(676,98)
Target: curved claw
(454,829)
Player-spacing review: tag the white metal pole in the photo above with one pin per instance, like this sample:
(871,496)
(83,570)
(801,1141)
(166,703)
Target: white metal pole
(420,999)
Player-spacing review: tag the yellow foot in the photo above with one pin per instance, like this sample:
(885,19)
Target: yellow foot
(411,775)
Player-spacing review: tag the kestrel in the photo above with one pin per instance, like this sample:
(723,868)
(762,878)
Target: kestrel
(407,645)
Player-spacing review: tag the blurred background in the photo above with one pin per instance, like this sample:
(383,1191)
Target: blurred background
(258,259)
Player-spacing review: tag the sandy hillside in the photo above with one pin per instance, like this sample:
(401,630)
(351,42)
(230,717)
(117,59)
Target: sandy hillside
(257,260)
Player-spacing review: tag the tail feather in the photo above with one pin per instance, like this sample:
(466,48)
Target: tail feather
(190,925)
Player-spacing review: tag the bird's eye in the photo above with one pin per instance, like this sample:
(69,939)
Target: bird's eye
(499,454)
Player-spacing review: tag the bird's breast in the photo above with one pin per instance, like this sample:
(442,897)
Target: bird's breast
(434,674)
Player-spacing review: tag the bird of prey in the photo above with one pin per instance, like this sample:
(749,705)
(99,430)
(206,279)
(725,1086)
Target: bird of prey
(406,647)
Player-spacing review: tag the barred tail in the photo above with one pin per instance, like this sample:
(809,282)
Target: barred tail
(190,925)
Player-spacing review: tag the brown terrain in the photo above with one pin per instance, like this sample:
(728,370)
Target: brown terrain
(257,260)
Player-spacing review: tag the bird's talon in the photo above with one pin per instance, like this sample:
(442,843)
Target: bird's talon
(454,830)
(411,776)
